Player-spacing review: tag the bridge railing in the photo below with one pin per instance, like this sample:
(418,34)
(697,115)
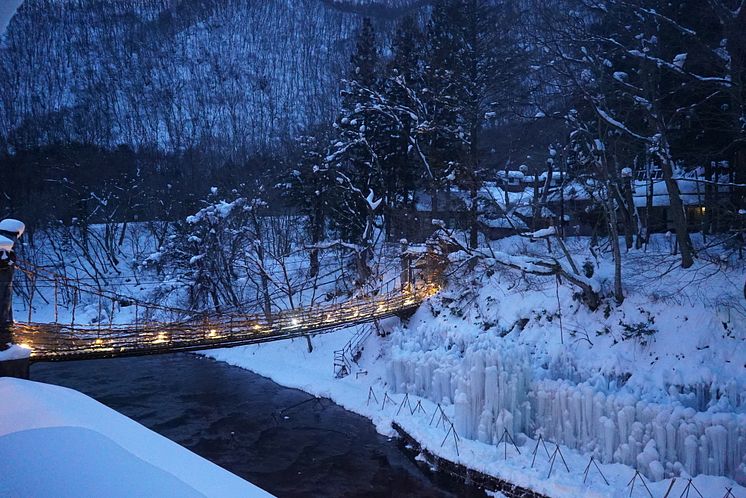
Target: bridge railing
(50,341)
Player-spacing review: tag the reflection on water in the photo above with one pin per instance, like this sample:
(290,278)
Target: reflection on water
(281,439)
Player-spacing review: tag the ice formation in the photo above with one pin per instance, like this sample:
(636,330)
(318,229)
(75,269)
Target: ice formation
(493,386)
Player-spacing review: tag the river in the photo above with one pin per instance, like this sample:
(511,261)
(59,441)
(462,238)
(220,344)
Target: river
(281,439)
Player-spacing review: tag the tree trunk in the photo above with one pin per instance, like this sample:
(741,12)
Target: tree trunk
(614,239)
(535,204)
(628,211)
(473,185)
(678,216)
(473,216)
(709,203)
(264,278)
(317,230)
(648,202)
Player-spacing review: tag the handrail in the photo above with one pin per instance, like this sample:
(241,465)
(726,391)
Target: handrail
(58,341)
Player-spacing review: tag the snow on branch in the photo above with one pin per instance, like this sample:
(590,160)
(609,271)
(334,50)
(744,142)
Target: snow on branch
(540,234)
(534,265)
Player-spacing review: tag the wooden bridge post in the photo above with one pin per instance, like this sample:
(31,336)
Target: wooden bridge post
(12,364)
(406,266)
(7,268)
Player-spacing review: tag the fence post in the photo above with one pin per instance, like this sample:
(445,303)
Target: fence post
(30,298)
(10,232)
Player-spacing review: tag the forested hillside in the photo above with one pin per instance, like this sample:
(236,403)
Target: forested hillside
(218,77)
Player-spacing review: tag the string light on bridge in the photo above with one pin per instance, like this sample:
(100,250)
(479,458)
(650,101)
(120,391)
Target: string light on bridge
(58,341)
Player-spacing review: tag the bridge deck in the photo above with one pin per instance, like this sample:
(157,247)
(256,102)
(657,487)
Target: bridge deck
(62,342)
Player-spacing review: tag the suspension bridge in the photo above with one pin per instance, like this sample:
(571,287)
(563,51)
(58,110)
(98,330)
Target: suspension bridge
(57,341)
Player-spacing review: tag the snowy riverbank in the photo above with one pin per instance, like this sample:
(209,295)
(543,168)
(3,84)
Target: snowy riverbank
(654,385)
(290,364)
(58,442)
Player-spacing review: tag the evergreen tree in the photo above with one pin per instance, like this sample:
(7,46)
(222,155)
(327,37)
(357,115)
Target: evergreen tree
(441,136)
(310,187)
(398,163)
(354,159)
(473,70)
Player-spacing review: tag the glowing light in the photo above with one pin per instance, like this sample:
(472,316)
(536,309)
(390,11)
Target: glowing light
(295,322)
(162,337)
(213,333)
(25,346)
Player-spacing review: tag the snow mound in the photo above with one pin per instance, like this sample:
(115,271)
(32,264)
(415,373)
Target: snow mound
(58,442)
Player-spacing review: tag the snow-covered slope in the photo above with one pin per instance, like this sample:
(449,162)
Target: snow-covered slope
(656,383)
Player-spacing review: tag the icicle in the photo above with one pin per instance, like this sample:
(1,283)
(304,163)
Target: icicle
(690,455)
(461,414)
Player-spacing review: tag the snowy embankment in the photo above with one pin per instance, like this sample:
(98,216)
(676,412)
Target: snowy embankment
(289,363)
(58,442)
(654,385)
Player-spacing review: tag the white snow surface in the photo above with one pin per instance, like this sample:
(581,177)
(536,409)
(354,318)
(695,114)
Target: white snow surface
(670,404)
(544,232)
(58,442)
(14,352)
(6,244)
(14,226)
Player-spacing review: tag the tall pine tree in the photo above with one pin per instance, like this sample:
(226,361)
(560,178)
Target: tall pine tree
(354,157)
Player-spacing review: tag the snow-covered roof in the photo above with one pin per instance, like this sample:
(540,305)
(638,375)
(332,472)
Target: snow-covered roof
(493,193)
(691,186)
(511,174)
(572,190)
(529,179)
(556,175)
(528,212)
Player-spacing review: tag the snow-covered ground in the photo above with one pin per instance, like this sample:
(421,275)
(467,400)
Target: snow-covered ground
(58,442)
(656,384)
(14,352)
(290,364)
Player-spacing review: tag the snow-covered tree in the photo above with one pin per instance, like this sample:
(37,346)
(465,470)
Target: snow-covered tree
(473,71)
(310,186)
(646,69)
(354,156)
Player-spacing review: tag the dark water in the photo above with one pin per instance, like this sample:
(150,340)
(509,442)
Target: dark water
(281,439)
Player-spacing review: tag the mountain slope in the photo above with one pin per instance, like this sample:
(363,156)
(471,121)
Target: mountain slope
(223,76)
